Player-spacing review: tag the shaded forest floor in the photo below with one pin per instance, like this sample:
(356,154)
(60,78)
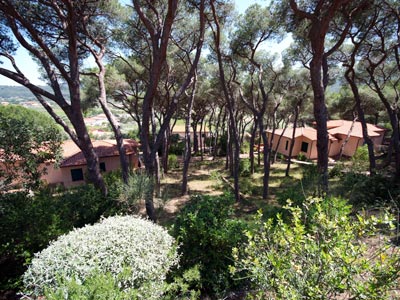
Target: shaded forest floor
(209,176)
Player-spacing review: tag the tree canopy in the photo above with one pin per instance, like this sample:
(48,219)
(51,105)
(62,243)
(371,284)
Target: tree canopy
(28,139)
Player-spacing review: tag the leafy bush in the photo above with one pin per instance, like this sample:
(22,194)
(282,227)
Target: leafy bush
(360,159)
(298,190)
(207,233)
(244,167)
(301,157)
(177,145)
(30,222)
(97,286)
(141,250)
(320,254)
(27,224)
(173,161)
(245,147)
(363,190)
(222,145)
(249,186)
(139,184)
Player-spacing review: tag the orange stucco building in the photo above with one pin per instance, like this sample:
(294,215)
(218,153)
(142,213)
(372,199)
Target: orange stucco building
(72,168)
(305,138)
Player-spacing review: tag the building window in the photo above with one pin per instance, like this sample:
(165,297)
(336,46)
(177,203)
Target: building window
(77,174)
(304,147)
(286,145)
(102,166)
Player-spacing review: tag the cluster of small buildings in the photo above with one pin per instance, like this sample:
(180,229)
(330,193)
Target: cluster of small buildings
(345,136)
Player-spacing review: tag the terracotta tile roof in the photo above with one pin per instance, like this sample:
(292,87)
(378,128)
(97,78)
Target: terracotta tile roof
(335,127)
(343,127)
(72,155)
(308,132)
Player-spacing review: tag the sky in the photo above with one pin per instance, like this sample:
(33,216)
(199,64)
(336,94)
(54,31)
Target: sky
(29,67)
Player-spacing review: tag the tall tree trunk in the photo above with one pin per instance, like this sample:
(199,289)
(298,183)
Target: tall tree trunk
(188,147)
(252,144)
(394,121)
(296,117)
(85,144)
(195,137)
(229,100)
(201,139)
(165,150)
(266,159)
(321,118)
(279,142)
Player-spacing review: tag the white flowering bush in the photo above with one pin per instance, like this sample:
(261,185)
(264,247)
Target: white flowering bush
(137,248)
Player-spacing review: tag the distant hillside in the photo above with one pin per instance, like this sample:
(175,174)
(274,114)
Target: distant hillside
(19,94)
(8,91)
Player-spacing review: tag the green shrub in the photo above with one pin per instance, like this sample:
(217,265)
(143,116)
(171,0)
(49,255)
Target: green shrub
(249,186)
(29,222)
(337,170)
(207,233)
(27,225)
(96,286)
(364,190)
(360,159)
(301,157)
(245,147)
(173,162)
(320,254)
(244,167)
(141,250)
(298,190)
(139,184)
(222,144)
(177,145)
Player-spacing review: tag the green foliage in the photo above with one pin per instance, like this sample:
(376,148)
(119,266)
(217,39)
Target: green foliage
(302,157)
(363,190)
(244,167)
(207,233)
(245,147)
(250,187)
(97,286)
(27,140)
(29,222)
(173,162)
(216,178)
(222,144)
(138,186)
(137,248)
(360,159)
(177,145)
(133,134)
(181,287)
(298,190)
(320,254)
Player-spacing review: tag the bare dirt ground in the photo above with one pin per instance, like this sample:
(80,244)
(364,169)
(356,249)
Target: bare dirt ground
(201,180)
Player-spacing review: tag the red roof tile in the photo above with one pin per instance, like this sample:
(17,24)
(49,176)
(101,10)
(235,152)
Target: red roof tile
(343,127)
(308,132)
(72,155)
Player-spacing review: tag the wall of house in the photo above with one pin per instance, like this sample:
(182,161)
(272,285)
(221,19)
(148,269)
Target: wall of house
(312,152)
(378,140)
(284,145)
(63,176)
(334,148)
(351,145)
